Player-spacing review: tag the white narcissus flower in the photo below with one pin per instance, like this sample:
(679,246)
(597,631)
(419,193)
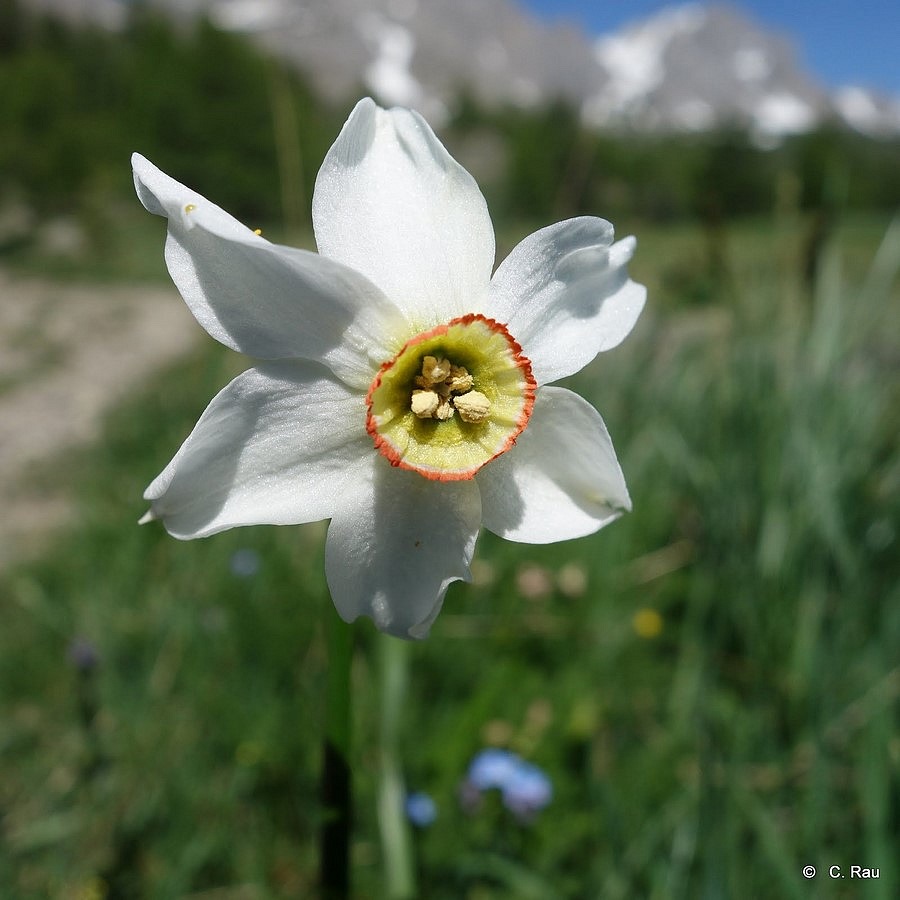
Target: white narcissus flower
(401,391)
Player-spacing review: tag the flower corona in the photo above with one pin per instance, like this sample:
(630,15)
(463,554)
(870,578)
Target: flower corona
(453,399)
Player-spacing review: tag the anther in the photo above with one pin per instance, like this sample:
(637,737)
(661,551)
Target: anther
(460,380)
(441,385)
(473,406)
(435,370)
(444,411)
(424,403)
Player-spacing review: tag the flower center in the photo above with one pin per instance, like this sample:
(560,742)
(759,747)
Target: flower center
(452,399)
(444,389)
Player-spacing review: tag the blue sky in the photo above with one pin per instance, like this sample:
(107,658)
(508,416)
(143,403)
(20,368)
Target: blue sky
(840,41)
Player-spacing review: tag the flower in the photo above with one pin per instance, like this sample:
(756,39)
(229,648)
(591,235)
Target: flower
(401,391)
(572,579)
(421,809)
(534,582)
(83,655)
(525,788)
(647,623)
(492,768)
(244,562)
(527,791)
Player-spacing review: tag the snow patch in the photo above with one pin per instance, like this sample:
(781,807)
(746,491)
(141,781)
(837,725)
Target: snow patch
(388,75)
(634,58)
(247,15)
(859,110)
(782,114)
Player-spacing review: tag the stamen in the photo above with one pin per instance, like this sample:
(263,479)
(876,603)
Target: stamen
(444,411)
(460,380)
(473,406)
(444,389)
(435,370)
(424,403)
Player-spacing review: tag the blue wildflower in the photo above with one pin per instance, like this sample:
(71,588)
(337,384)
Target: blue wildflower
(245,562)
(527,791)
(492,768)
(421,809)
(524,787)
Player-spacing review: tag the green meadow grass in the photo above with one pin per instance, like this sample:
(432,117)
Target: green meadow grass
(711,683)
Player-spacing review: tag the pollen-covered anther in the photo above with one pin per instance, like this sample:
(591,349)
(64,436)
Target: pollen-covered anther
(424,403)
(435,370)
(444,411)
(472,406)
(460,380)
(439,385)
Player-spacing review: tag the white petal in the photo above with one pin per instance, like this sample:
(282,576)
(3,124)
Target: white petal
(396,544)
(263,299)
(565,295)
(562,479)
(277,446)
(391,203)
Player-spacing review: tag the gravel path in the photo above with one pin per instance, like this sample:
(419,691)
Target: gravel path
(67,353)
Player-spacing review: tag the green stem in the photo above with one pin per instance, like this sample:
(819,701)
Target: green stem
(337,788)
(395,837)
(289,153)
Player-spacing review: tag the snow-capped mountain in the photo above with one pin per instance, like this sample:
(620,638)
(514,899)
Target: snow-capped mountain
(690,67)
(694,66)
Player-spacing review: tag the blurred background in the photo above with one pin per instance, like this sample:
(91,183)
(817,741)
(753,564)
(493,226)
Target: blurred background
(709,687)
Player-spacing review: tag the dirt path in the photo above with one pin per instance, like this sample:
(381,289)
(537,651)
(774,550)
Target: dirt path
(67,353)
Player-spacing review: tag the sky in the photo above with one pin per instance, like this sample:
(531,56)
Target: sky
(841,42)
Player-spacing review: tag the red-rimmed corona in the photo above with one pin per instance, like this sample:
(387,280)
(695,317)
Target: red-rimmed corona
(454,398)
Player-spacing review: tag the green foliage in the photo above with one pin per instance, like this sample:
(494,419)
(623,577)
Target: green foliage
(717,707)
(212,111)
(553,166)
(743,728)
(77,103)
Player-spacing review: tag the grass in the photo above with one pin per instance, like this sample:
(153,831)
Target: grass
(712,683)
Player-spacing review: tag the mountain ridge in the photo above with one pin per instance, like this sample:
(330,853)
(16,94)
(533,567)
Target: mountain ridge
(645,76)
